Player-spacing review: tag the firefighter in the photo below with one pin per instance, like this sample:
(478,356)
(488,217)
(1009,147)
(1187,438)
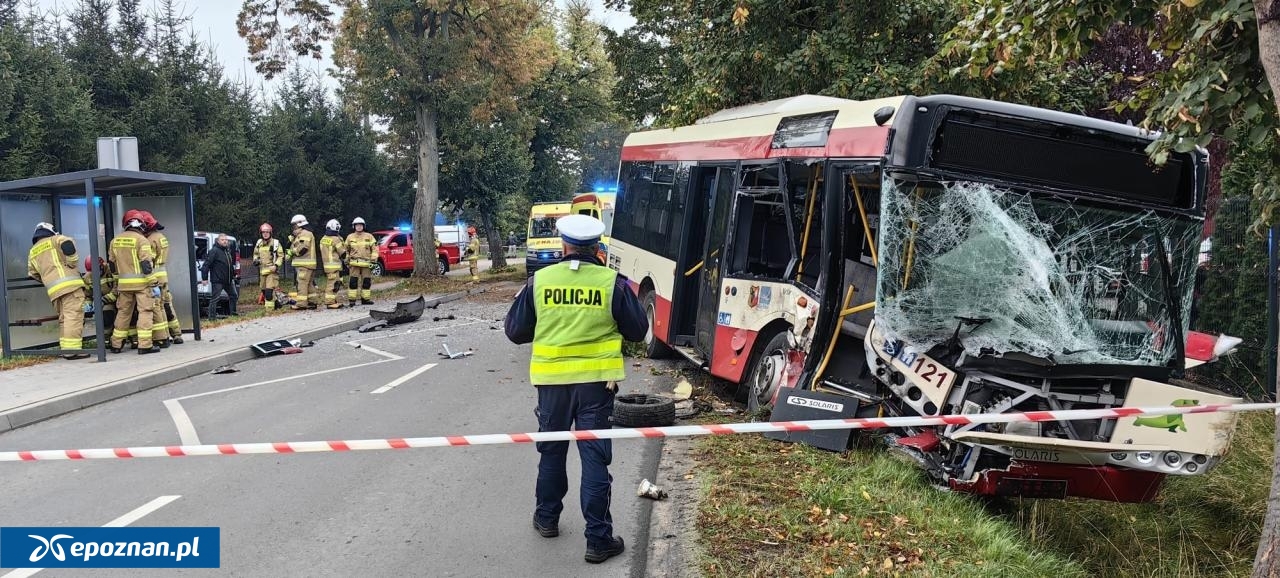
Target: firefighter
(473,253)
(165,324)
(53,261)
(303,250)
(360,258)
(332,252)
(134,263)
(269,257)
(576,313)
(107,287)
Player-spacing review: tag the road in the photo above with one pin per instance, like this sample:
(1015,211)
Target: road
(438,512)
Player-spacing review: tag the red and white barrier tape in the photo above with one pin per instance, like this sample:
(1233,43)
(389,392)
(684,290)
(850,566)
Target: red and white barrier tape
(619,433)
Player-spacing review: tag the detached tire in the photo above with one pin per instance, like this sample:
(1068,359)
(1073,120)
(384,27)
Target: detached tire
(643,410)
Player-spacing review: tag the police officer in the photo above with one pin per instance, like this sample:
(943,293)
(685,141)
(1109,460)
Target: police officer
(302,248)
(53,261)
(576,313)
(361,253)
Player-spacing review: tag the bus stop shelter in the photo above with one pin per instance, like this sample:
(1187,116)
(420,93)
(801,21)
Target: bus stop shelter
(86,206)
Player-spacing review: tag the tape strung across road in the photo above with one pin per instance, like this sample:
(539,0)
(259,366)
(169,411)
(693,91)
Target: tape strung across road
(619,433)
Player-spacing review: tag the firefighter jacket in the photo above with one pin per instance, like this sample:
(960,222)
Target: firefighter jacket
(473,249)
(304,249)
(134,262)
(108,288)
(361,249)
(53,261)
(160,246)
(332,251)
(268,256)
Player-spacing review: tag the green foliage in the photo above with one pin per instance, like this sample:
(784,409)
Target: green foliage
(1214,84)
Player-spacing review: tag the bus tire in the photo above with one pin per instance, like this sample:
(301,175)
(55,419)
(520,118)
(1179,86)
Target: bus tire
(765,377)
(654,348)
(643,410)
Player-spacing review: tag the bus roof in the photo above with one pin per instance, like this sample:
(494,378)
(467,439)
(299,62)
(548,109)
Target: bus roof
(747,132)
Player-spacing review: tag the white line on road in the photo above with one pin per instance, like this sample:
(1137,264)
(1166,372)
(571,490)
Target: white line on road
(120,522)
(421,330)
(403,378)
(374,351)
(186,429)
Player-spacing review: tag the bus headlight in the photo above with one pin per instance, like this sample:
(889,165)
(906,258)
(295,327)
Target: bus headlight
(1145,457)
(1172,459)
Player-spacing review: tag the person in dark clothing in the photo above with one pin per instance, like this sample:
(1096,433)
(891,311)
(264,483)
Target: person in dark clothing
(219,270)
(576,314)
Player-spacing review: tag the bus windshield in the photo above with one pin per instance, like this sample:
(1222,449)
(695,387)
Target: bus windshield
(1068,282)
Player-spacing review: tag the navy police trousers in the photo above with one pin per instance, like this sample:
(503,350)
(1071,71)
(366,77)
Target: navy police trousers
(584,406)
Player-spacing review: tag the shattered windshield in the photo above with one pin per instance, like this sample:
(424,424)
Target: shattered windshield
(1049,277)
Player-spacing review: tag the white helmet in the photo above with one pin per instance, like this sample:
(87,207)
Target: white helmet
(299,220)
(333,225)
(46,226)
(134,224)
(357,221)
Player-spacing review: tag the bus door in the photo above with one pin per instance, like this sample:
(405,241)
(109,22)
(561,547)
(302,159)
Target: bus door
(694,294)
(713,259)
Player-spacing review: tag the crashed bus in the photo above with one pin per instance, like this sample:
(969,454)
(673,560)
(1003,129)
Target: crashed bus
(930,256)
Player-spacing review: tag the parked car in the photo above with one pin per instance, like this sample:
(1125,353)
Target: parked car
(395,252)
(203,241)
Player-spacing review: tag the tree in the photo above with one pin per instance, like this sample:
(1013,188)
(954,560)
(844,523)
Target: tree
(484,165)
(407,60)
(1224,75)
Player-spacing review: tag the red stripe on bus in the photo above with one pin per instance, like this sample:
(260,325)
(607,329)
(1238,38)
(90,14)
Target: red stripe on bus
(861,141)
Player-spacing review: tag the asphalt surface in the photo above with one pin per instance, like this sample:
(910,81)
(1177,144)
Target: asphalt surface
(437,512)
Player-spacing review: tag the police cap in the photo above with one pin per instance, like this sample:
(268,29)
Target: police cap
(580,229)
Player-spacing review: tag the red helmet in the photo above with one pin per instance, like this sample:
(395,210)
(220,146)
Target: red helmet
(148,220)
(88,262)
(471,230)
(132,215)
(265,228)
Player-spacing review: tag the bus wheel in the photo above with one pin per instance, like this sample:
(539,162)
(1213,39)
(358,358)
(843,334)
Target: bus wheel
(766,373)
(653,347)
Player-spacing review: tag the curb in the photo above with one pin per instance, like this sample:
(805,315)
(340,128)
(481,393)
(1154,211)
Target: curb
(42,410)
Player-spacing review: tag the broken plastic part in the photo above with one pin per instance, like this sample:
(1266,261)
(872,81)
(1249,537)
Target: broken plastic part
(1044,276)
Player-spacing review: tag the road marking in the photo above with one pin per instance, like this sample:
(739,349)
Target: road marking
(421,330)
(402,379)
(374,351)
(186,429)
(120,522)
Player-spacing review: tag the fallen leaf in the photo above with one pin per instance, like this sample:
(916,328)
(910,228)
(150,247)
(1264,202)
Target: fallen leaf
(888,564)
(865,495)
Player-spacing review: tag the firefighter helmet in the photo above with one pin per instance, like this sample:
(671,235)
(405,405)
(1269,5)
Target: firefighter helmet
(264,228)
(148,220)
(132,219)
(357,221)
(298,221)
(333,225)
(46,227)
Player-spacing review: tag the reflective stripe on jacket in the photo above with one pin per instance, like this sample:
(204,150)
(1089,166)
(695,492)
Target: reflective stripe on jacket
(57,271)
(576,339)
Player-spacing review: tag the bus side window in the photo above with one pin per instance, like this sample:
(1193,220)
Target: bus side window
(761,244)
(806,190)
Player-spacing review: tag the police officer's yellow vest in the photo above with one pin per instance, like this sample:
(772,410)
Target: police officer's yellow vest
(57,271)
(576,339)
(360,249)
(304,250)
(160,245)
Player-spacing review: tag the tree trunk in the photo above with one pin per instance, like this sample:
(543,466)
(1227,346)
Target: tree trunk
(497,243)
(427,199)
(1268,13)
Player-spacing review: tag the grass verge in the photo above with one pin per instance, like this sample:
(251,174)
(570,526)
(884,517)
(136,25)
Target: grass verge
(773,509)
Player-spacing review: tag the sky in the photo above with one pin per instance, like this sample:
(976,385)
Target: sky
(214,21)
